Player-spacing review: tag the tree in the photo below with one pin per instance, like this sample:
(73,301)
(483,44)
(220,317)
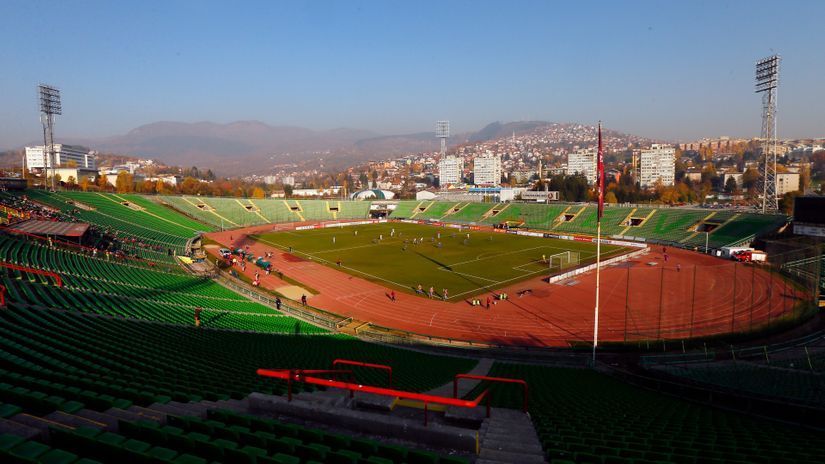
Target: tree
(124,182)
(731,185)
(287,190)
(84,184)
(162,187)
(258,192)
(787,201)
(750,178)
(194,172)
(189,186)
(103,181)
(610,197)
(71,183)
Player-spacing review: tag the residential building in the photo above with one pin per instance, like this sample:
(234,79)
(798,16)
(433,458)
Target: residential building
(786,182)
(450,169)
(487,169)
(582,162)
(658,164)
(64,155)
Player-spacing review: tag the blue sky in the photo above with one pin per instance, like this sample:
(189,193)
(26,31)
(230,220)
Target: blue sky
(665,69)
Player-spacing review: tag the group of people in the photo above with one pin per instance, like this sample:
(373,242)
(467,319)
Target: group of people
(431,292)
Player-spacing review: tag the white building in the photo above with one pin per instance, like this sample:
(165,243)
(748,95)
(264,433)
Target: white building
(450,169)
(487,170)
(582,162)
(786,182)
(657,164)
(37,158)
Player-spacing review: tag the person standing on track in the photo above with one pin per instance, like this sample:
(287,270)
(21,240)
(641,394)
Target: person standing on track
(432,292)
(304,299)
(446,294)
(392,295)
(278,303)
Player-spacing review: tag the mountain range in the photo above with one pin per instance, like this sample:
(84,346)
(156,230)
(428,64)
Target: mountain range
(246,147)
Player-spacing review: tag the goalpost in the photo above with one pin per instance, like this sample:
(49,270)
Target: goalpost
(561,261)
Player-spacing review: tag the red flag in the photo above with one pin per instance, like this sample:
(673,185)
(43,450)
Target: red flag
(600,174)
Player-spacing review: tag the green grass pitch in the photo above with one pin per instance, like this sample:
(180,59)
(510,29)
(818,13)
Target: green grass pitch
(465,266)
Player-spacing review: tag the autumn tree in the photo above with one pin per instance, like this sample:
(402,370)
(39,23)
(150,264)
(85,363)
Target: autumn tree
(124,182)
(103,182)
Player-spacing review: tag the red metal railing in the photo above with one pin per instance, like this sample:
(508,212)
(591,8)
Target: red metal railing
(2,296)
(308,376)
(32,270)
(347,362)
(493,379)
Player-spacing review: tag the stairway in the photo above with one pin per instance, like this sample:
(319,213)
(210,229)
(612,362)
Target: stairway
(508,436)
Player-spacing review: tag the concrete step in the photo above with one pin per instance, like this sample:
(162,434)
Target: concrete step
(148,414)
(507,456)
(234,405)
(100,417)
(193,409)
(16,428)
(520,438)
(123,414)
(511,431)
(511,445)
(175,410)
(73,421)
(38,423)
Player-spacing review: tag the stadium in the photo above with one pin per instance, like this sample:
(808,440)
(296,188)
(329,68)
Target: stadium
(188,329)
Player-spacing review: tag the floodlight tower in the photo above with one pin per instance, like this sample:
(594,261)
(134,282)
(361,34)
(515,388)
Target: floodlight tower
(767,80)
(49,107)
(442,131)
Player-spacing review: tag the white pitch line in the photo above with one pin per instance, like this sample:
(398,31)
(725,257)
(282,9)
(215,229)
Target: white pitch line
(465,274)
(496,256)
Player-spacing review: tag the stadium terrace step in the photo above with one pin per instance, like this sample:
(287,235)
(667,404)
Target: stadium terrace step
(73,420)
(38,423)
(16,428)
(148,414)
(509,436)
(123,414)
(411,428)
(374,402)
(182,409)
(467,385)
(110,422)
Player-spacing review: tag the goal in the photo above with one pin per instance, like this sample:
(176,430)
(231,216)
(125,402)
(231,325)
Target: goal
(564,260)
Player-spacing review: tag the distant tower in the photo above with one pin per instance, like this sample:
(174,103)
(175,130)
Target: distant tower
(767,80)
(442,131)
(514,137)
(49,106)
(539,169)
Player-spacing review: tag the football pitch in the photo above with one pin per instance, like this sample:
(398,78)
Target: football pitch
(404,256)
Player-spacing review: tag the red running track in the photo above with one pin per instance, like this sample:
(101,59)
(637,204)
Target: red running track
(691,294)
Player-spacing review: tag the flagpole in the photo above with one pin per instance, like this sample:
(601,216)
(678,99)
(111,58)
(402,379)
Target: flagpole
(600,187)
(598,269)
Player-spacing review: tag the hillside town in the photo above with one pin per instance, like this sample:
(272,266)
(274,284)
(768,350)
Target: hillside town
(554,162)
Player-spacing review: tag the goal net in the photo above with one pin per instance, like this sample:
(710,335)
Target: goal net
(561,261)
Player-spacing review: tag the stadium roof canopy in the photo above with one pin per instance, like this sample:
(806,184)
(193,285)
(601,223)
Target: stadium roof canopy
(51,228)
(378,194)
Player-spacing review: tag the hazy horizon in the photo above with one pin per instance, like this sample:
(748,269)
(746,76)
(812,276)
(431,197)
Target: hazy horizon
(654,69)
